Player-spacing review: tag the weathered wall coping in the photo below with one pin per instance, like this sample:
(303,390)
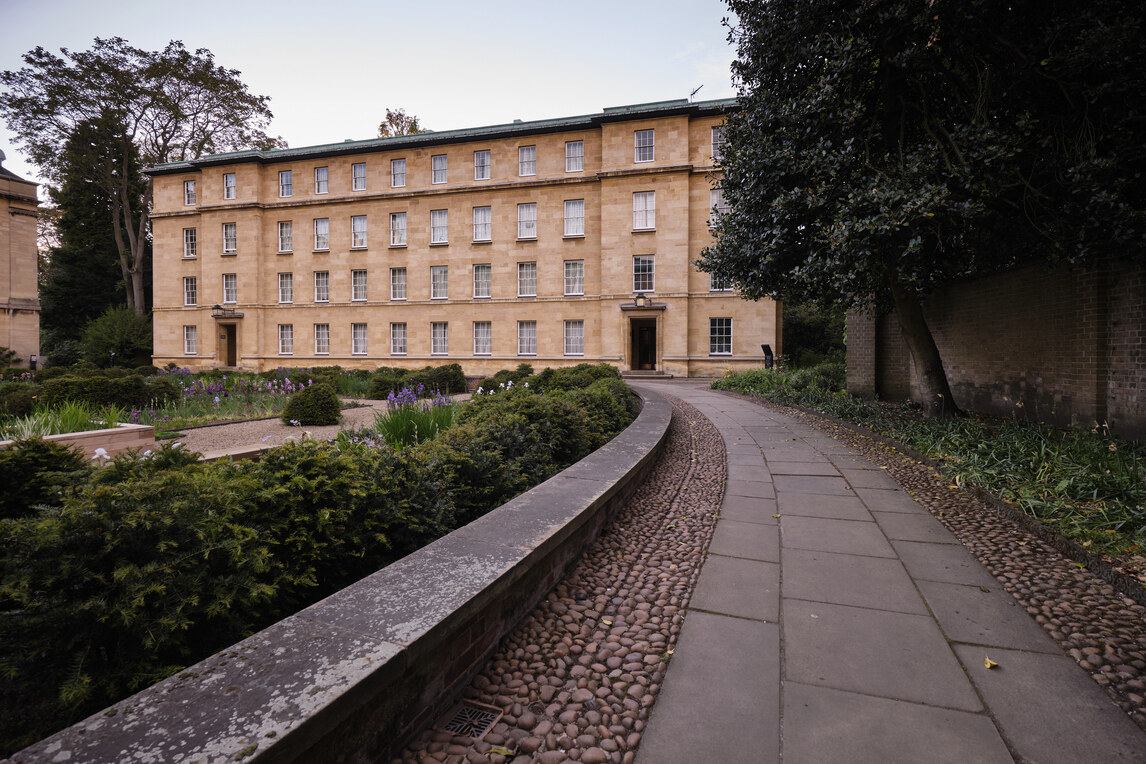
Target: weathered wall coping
(112,440)
(350,678)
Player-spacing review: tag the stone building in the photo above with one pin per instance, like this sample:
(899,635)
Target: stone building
(19,291)
(552,242)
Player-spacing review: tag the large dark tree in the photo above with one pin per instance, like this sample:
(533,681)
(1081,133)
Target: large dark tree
(83,275)
(883,148)
(168,105)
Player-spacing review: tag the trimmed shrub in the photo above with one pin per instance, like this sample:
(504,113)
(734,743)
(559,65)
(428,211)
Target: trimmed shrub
(38,472)
(96,390)
(18,399)
(581,375)
(161,390)
(147,370)
(316,405)
(522,372)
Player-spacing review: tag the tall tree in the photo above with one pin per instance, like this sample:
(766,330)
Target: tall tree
(398,122)
(170,105)
(83,275)
(883,148)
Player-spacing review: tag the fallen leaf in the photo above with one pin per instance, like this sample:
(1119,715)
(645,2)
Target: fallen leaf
(606,621)
(775,515)
(989,663)
(499,750)
(984,589)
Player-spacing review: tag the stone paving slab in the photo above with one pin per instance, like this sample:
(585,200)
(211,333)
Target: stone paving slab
(883,627)
(845,579)
(942,562)
(738,587)
(826,726)
(992,617)
(749,510)
(752,541)
(826,535)
(724,700)
(1031,694)
(901,526)
(819,505)
(874,652)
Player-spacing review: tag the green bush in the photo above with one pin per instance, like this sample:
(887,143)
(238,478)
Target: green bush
(160,391)
(316,405)
(445,379)
(96,390)
(147,370)
(573,378)
(494,382)
(64,354)
(120,331)
(18,398)
(38,472)
(14,373)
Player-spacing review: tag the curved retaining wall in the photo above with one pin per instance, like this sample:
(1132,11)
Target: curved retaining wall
(352,677)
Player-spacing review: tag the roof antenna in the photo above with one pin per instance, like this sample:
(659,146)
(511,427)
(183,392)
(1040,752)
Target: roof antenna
(693,93)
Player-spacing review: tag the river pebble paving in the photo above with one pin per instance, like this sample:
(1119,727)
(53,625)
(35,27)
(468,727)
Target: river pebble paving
(577,678)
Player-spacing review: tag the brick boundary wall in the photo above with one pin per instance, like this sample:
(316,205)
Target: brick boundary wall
(353,677)
(1065,343)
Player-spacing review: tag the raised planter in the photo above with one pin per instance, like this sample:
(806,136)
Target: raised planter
(112,440)
(353,677)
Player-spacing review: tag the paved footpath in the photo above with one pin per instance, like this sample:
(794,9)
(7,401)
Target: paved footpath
(836,620)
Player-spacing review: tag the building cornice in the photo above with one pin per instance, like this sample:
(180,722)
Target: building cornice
(518,128)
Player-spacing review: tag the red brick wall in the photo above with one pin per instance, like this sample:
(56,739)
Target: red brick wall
(1059,345)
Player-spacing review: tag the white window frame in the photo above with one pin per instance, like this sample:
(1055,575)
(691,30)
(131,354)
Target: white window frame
(190,243)
(483,281)
(286,339)
(439,282)
(398,338)
(397,229)
(190,291)
(574,278)
(286,288)
(188,192)
(716,205)
(286,183)
(231,241)
(574,156)
(644,210)
(483,223)
(481,165)
(190,340)
(439,226)
(718,285)
(322,286)
(575,336)
(717,142)
(439,168)
(358,176)
(439,338)
(358,339)
(527,338)
(322,234)
(286,235)
(397,283)
(526,161)
(644,279)
(358,285)
(527,220)
(321,180)
(358,232)
(483,338)
(644,145)
(230,288)
(397,173)
(527,279)
(574,217)
(230,185)
(720,343)
(322,339)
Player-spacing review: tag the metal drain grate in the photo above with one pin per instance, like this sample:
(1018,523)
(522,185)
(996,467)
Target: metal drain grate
(471,719)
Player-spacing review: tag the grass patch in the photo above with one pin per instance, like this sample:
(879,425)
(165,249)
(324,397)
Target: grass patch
(1086,484)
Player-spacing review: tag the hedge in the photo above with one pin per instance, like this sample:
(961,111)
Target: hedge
(150,564)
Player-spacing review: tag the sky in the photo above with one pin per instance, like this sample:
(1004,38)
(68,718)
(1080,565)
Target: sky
(332,68)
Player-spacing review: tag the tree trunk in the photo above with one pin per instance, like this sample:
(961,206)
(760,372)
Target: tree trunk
(935,392)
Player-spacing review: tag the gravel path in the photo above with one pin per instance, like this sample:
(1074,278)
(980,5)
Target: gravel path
(579,674)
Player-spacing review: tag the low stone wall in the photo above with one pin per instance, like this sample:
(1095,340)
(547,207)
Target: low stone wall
(352,677)
(112,440)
